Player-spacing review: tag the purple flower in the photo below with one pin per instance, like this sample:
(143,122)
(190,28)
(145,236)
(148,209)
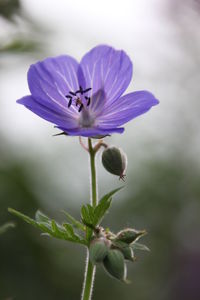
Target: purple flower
(86,99)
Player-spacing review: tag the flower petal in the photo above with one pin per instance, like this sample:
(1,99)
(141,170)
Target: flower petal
(90,132)
(126,108)
(46,113)
(52,79)
(106,69)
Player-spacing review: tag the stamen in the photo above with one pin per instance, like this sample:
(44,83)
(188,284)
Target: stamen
(72,93)
(80,90)
(77,99)
(80,108)
(89,99)
(70,103)
(87,90)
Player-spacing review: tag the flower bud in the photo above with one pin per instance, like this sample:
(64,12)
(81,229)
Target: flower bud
(128,253)
(98,249)
(129,235)
(115,265)
(114,161)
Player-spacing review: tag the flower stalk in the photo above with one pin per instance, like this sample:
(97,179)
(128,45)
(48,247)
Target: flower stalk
(92,154)
(90,268)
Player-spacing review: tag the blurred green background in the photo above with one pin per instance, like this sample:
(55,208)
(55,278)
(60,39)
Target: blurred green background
(37,170)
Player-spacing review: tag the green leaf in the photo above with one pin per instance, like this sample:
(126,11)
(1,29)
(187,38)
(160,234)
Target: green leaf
(51,227)
(45,227)
(87,215)
(69,229)
(138,246)
(74,222)
(54,227)
(23,217)
(40,217)
(72,235)
(92,216)
(6,226)
(103,206)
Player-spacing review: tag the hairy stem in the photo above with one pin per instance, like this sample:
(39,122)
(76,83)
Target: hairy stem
(92,153)
(90,268)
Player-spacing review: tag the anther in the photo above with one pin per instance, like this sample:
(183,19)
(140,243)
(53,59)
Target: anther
(88,98)
(87,90)
(68,96)
(80,108)
(70,103)
(80,90)
(72,93)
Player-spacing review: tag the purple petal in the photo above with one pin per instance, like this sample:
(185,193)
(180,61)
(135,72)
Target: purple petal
(90,132)
(106,69)
(126,108)
(52,79)
(51,115)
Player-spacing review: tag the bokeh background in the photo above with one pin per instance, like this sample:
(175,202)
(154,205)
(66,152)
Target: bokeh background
(37,170)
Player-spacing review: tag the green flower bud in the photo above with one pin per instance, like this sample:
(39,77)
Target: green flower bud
(114,161)
(128,253)
(115,265)
(98,249)
(129,235)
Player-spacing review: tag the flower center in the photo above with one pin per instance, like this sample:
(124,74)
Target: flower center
(86,119)
(78,100)
(81,101)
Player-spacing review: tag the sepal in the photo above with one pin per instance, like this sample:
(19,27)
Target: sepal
(98,249)
(115,265)
(130,235)
(138,246)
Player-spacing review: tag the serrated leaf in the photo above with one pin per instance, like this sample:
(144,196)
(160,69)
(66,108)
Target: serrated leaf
(51,228)
(90,210)
(84,214)
(23,217)
(103,206)
(58,231)
(46,227)
(74,222)
(40,217)
(6,226)
(138,246)
(54,226)
(72,235)
(87,214)
(69,229)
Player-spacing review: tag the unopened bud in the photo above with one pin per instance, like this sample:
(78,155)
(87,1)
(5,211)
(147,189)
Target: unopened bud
(115,265)
(128,253)
(114,161)
(98,249)
(129,235)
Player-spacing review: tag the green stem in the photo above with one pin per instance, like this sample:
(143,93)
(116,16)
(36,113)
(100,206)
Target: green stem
(93,174)
(90,268)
